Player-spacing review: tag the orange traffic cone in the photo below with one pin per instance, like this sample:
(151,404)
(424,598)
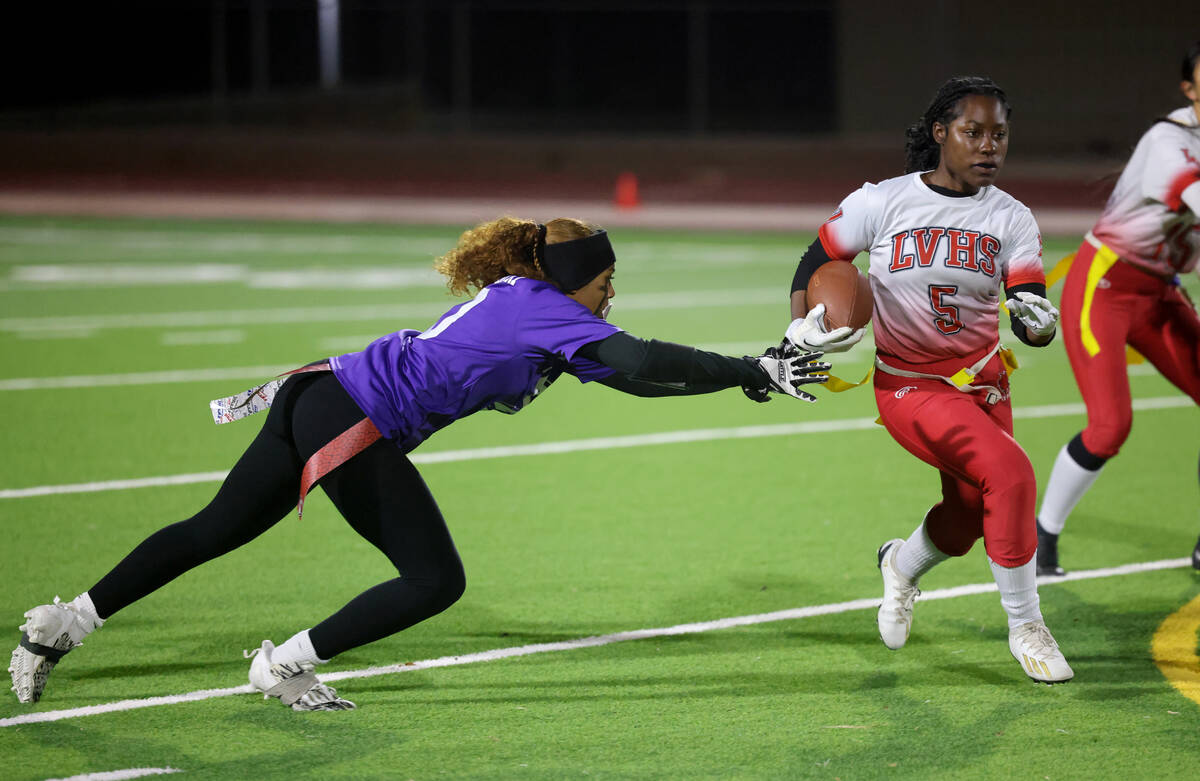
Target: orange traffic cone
(626,196)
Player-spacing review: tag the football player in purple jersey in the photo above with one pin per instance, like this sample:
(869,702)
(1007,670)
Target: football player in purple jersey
(542,293)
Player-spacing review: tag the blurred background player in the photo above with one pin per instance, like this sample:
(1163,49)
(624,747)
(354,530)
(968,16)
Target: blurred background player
(943,242)
(543,294)
(1123,289)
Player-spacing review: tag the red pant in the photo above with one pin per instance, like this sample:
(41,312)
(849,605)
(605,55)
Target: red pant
(988,486)
(1131,307)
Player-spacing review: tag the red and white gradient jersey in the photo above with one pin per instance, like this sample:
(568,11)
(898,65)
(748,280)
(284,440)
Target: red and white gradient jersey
(939,264)
(1145,220)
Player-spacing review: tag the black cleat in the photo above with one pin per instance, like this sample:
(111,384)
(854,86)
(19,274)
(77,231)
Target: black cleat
(1196,556)
(1047,553)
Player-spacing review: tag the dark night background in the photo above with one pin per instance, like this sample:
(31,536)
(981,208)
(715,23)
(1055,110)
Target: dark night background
(534,65)
(704,99)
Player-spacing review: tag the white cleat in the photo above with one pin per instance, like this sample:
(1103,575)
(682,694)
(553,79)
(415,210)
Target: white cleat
(895,612)
(49,632)
(293,683)
(1033,646)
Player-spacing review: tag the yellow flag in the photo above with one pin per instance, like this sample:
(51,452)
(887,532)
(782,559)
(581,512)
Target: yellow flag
(837,384)
(1060,270)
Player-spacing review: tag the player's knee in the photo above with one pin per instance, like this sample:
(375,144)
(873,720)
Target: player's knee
(453,585)
(442,586)
(1009,530)
(1104,439)
(958,544)
(1015,478)
(950,531)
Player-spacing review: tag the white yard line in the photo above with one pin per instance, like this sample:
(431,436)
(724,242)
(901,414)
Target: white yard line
(113,485)
(585,642)
(598,443)
(177,239)
(121,775)
(82,276)
(187,338)
(248,373)
(420,314)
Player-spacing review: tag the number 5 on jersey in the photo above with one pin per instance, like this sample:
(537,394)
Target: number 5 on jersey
(947,314)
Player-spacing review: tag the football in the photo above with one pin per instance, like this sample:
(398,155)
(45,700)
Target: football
(844,291)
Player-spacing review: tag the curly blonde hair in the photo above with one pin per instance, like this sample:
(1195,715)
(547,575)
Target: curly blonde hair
(496,249)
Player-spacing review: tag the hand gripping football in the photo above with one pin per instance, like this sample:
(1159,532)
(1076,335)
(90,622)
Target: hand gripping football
(844,291)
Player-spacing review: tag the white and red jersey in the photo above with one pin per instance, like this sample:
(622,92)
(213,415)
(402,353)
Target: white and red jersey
(939,264)
(1146,221)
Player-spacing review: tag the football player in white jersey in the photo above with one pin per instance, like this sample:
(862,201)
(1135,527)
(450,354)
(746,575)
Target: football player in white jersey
(1123,288)
(944,244)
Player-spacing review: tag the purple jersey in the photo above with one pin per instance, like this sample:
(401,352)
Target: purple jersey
(497,351)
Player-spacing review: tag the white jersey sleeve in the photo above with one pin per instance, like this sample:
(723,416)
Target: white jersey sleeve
(851,229)
(1170,165)
(1147,221)
(1022,258)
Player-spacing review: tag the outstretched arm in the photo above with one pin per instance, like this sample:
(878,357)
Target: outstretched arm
(627,384)
(654,368)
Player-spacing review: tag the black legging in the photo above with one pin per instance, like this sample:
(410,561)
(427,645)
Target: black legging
(379,492)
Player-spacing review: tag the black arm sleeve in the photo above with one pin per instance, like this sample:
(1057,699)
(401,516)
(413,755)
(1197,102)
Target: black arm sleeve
(682,369)
(625,384)
(1018,328)
(814,257)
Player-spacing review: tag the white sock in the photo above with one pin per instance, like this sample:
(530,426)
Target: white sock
(1068,483)
(918,555)
(84,607)
(1018,592)
(298,648)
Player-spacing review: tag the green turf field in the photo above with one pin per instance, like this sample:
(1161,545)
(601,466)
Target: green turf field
(115,334)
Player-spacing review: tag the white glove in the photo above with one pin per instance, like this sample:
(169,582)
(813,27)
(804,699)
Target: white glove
(809,335)
(1039,315)
(787,369)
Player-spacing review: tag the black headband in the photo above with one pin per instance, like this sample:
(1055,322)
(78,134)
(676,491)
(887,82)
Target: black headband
(572,264)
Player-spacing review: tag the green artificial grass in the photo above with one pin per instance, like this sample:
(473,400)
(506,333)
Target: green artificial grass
(560,547)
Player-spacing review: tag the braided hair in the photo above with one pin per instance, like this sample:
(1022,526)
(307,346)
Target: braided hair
(922,152)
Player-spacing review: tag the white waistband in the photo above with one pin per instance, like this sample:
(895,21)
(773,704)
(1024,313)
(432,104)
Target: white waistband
(994,392)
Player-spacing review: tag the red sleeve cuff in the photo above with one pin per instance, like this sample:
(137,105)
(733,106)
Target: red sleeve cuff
(1027,278)
(1174,201)
(830,245)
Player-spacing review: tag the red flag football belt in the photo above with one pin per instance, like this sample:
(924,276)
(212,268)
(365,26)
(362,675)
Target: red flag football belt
(333,454)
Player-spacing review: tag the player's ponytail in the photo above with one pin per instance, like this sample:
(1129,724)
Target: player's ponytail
(921,151)
(506,246)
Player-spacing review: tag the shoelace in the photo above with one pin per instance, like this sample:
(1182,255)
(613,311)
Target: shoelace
(1039,639)
(907,594)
